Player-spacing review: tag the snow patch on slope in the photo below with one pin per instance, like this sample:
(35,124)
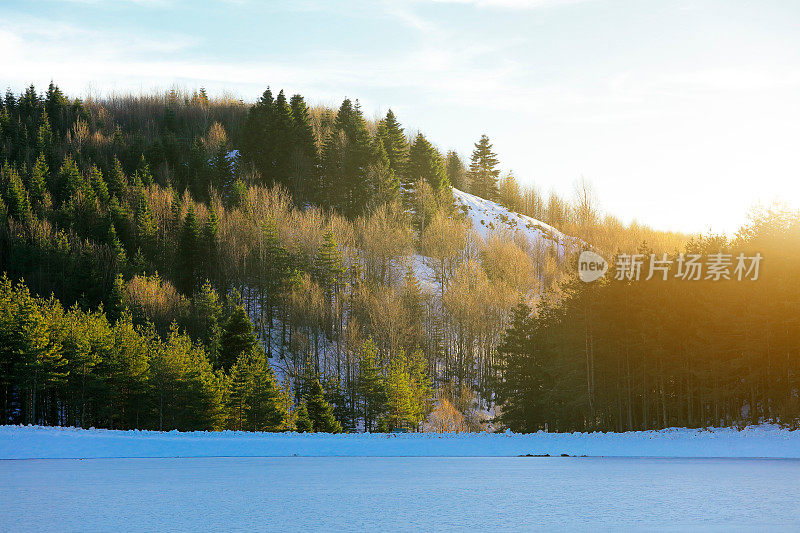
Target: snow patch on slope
(489,217)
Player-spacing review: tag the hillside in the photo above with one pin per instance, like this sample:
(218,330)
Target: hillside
(488,216)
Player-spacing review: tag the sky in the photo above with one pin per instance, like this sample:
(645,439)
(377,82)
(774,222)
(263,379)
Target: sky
(681,114)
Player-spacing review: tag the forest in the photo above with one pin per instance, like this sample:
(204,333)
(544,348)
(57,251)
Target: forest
(179,261)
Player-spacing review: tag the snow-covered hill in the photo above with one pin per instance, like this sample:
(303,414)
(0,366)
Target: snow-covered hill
(488,217)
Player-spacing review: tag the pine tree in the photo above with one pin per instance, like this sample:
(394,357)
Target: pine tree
(394,142)
(40,175)
(117,182)
(425,163)
(347,157)
(258,144)
(303,423)
(519,392)
(328,265)
(385,183)
(98,185)
(222,173)
(237,338)
(190,257)
(370,386)
(483,171)
(68,181)
(305,158)
(319,410)
(282,127)
(456,172)
(259,402)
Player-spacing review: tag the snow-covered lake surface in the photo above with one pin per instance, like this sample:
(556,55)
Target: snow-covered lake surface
(19,442)
(398,493)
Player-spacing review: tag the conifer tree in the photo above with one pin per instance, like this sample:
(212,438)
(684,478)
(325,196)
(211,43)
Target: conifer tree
(15,195)
(145,226)
(222,173)
(394,142)
(483,171)
(98,185)
(319,410)
(520,391)
(210,244)
(456,172)
(237,338)
(303,423)
(425,163)
(38,184)
(117,182)
(258,144)
(68,181)
(190,254)
(370,386)
(257,400)
(385,182)
(282,127)
(142,174)
(347,157)
(305,158)
(328,265)
(45,136)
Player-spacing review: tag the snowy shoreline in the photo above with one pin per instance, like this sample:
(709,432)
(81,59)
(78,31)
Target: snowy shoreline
(36,442)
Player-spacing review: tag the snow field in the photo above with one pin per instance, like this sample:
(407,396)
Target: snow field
(35,442)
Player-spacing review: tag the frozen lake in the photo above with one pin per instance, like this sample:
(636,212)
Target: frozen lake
(362,493)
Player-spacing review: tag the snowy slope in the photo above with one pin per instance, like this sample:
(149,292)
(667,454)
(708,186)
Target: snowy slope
(488,217)
(18,442)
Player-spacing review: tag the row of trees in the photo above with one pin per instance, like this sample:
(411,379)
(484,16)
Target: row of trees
(70,367)
(621,354)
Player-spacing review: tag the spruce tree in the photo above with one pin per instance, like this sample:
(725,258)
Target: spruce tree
(329,267)
(456,172)
(117,182)
(305,158)
(483,171)
(425,163)
(189,256)
(37,187)
(520,391)
(258,401)
(303,423)
(394,142)
(347,157)
(98,184)
(222,173)
(385,183)
(319,410)
(370,386)
(68,181)
(282,130)
(237,338)
(258,146)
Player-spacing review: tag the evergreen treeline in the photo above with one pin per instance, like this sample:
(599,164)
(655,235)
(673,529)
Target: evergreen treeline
(635,355)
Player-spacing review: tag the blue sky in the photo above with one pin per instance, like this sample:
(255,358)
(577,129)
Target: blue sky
(681,114)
